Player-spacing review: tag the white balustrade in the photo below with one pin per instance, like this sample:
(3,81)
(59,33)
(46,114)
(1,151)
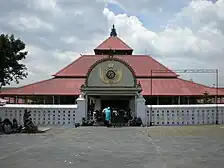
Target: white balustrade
(158,114)
(185,114)
(41,114)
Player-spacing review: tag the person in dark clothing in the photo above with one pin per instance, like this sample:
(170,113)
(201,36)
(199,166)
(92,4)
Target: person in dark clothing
(1,125)
(26,116)
(7,126)
(15,127)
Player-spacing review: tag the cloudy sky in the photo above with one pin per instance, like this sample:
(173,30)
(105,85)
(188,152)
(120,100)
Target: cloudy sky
(182,34)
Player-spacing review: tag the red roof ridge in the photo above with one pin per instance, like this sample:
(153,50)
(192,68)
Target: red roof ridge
(55,74)
(168,69)
(104,44)
(80,66)
(53,86)
(121,55)
(24,86)
(220,91)
(196,83)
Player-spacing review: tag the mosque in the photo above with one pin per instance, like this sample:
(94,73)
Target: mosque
(113,76)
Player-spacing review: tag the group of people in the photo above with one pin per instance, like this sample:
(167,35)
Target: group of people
(8,127)
(105,116)
(110,115)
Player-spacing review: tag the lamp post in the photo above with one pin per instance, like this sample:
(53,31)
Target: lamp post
(216,97)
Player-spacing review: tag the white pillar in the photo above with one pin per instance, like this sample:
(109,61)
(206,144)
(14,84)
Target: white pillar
(141,109)
(97,104)
(81,110)
(132,106)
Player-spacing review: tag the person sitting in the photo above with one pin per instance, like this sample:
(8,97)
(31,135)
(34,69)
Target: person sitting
(30,127)
(132,122)
(139,121)
(84,122)
(95,113)
(15,127)
(7,126)
(1,125)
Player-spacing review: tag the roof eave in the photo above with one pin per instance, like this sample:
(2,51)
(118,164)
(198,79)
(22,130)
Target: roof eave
(118,49)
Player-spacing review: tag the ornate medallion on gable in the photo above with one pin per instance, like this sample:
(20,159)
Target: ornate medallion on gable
(111,72)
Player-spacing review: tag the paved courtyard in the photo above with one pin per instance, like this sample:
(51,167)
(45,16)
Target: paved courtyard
(156,147)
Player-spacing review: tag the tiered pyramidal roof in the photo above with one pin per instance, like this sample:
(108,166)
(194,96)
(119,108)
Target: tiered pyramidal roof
(69,79)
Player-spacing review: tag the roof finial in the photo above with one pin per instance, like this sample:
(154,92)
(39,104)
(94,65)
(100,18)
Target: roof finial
(113,32)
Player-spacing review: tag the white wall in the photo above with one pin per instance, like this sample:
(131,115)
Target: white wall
(160,114)
(185,114)
(41,114)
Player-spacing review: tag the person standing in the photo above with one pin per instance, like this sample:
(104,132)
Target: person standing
(107,112)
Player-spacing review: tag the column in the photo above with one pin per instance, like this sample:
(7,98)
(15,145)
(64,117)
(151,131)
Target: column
(179,100)
(53,100)
(141,109)
(97,104)
(26,100)
(157,100)
(173,100)
(132,106)
(81,111)
(16,101)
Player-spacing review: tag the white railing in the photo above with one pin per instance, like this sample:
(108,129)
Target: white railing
(185,114)
(158,114)
(41,114)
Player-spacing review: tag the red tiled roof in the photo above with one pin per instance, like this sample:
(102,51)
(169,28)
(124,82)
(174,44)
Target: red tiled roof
(55,86)
(71,86)
(175,87)
(113,43)
(141,64)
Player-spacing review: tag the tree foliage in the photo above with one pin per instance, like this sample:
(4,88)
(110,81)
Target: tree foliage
(11,54)
(206,98)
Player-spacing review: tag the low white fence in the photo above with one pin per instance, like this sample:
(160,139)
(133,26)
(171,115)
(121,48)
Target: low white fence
(158,114)
(185,114)
(41,114)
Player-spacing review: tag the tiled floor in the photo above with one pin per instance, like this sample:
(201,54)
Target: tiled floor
(157,147)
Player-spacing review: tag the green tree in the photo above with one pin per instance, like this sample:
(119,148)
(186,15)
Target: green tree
(206,98)
(12,52)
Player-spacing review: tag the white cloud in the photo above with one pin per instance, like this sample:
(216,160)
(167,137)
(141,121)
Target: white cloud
(178,45)
(139,6)
(57,32)
(29,22)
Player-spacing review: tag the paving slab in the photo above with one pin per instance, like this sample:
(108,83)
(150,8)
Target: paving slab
(43,129)
(190,146)
(156,147)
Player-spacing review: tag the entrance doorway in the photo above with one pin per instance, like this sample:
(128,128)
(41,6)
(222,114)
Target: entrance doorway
(120,107)
(115,104)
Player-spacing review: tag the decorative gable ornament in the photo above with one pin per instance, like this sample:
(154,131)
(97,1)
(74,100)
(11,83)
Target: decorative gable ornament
(111,75)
